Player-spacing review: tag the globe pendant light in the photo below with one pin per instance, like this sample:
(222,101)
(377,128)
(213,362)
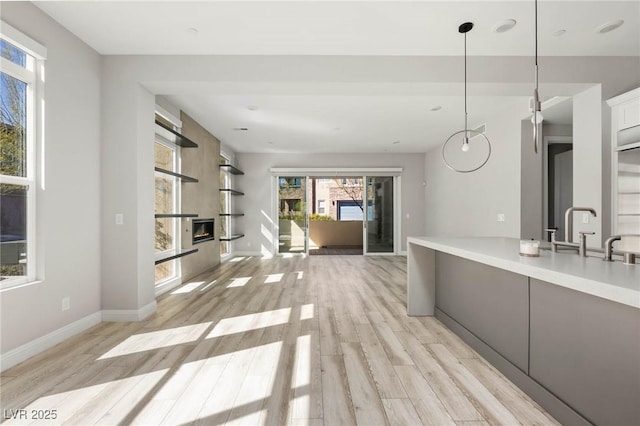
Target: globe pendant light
(536,118)
(467,150)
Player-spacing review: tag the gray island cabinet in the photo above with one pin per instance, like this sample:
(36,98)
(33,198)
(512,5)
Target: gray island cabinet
(564,329)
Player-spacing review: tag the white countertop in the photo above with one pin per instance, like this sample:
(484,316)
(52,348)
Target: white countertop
(591,275)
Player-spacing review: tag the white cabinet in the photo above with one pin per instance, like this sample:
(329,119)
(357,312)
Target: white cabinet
(625,168)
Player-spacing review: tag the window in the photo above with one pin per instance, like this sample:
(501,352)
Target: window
(20,70)
(167,201)
(225,207)
(321,206)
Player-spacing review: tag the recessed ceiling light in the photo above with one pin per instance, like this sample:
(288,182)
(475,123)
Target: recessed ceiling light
(241,128)
(396,142)
(436,108)
(609,26)
(192,31)
(504,26)
(252,107)
(559,33)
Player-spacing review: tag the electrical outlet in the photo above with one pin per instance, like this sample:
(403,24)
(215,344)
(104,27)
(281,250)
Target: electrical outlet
(66,303)
(501,217)
(585,217)
(119,219)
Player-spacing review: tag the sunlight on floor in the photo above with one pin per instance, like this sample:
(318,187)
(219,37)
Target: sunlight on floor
(301,378)
(237,259)
(273,278)
(250,322)
(231,387)
(306,311)
(67,402)
(208,285)
(188,288)
(300,274)
(239,282)
(158,339)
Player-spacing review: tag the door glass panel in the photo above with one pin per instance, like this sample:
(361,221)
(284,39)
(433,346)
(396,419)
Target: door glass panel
(380,214)
(292,234)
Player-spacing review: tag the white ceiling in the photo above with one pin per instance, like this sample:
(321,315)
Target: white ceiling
(346,27)
(343,120)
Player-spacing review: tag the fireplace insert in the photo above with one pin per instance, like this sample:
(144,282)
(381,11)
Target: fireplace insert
(202,230)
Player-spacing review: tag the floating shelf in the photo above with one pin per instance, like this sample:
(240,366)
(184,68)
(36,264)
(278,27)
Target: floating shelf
(231,214)
(182,215)
(184,178)
(232,170)
(232,191)
(178,138)
(231,237)
(173,254)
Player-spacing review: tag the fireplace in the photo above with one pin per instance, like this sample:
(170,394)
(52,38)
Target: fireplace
(202,230)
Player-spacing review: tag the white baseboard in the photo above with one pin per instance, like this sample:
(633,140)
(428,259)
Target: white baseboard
(34,347)
(402,253)
(126,315)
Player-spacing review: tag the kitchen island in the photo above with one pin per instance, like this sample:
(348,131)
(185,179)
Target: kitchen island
(564,328)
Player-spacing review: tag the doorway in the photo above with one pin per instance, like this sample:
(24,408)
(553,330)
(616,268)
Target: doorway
(348,215)
(558,185)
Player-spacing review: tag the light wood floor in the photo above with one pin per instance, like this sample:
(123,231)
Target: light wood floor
(322,340)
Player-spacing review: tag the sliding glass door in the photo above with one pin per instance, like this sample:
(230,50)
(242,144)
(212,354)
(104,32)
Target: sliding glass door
(380,224)
(292,214)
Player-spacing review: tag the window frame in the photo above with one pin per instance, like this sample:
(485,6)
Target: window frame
(32,74)
(176,204)
(226,184)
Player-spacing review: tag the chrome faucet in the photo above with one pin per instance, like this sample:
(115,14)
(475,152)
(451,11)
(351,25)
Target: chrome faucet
(568,221)
(581,246)
(608,247)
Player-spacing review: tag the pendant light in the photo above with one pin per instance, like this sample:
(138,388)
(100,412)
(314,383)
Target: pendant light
(536,118)
(467,150)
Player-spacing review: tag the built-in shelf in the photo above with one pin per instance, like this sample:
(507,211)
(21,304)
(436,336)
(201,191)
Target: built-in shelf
(181,215)
(231,237)
(184,178)
(232,191)
(178,139)
(232,170)
(173,254)
(231,214)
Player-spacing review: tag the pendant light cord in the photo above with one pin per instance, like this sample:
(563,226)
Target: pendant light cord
(465,88)
(536,37)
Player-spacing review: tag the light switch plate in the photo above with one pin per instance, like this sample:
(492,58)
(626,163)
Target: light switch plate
(501,217)
(585,217)
(119,219)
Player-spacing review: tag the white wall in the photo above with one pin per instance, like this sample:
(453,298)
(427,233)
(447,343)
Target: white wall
(587,153)
(459,204)
(127,160)
(258,201)
(69,199)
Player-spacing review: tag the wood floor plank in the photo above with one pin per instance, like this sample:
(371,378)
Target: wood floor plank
(516,401)
(367,404)
(427,404)
(336,399)
(494,411)
(384,375)
(455,401)
(400,412)
(307,402)
(391,345)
